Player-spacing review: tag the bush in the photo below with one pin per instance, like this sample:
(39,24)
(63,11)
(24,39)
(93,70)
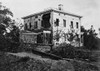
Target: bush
(8,45)
(68,51)
(65,50)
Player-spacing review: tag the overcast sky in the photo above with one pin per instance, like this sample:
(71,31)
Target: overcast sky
(89,9)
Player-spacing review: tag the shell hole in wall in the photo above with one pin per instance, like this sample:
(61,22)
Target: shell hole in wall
(46,21)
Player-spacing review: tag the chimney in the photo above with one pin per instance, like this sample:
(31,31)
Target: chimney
(60,7)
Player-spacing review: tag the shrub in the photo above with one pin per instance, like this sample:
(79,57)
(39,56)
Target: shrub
(68,51)
(65,50)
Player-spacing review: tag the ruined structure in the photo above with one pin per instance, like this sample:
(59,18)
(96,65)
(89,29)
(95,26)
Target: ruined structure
(53,25)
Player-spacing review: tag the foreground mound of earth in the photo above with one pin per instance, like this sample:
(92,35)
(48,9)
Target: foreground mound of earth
(30,62)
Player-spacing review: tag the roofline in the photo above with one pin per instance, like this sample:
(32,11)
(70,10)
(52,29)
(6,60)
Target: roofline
(50,10)
(71,14)
(37,13)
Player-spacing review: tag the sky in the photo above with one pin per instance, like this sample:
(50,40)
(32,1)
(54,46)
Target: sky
(89,9)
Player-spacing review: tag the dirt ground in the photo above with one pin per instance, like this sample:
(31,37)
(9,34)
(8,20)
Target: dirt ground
(24,61)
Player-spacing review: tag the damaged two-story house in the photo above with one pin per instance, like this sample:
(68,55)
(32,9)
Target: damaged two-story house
(51,25)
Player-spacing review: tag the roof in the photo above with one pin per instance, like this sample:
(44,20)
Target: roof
(50,10)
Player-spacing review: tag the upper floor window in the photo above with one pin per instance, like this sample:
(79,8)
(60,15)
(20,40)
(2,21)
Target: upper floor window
(25,26)
(30,25)
(57,22)
(35,25)
(64,22)
(71,24)
(77,24)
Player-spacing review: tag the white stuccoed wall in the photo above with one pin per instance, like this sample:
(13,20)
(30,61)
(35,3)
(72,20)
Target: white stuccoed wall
(68,19)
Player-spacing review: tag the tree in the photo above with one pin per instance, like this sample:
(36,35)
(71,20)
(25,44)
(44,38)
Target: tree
(11,39)
(90,40)
(5,15)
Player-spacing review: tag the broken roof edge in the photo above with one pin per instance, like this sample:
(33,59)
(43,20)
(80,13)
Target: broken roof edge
(37,13)
(49,10)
